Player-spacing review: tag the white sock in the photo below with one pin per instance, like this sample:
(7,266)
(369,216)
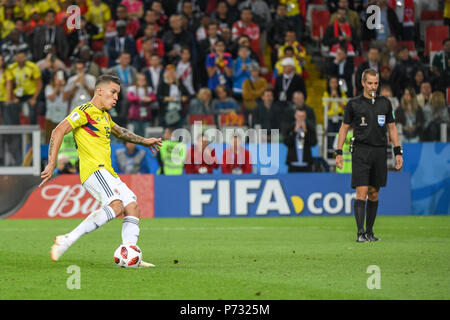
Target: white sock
(130,230)
(95,220)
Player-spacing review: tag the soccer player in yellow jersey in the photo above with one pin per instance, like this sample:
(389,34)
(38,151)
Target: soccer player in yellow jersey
(92,127)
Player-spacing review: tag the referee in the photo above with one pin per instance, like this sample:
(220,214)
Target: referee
(371,117)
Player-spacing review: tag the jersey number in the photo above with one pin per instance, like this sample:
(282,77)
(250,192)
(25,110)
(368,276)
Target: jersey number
(107,132)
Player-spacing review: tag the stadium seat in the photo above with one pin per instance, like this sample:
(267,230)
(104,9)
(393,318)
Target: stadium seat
(97,45)
(431,15)
(429,18)
(205,119)
(320,21)
(448,95)
(365,45)
(41,122)
(434,37)
(357,60)
(102,61)
(313,7)
(231,120)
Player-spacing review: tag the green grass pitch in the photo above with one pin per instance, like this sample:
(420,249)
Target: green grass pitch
(241,258)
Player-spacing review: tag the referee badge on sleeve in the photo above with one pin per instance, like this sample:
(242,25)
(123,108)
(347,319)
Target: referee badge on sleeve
(381,120)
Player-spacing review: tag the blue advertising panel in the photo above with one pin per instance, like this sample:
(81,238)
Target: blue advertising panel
(429,167)
(296,194)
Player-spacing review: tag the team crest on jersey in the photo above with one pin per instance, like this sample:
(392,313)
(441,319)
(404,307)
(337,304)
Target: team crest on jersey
(381,120)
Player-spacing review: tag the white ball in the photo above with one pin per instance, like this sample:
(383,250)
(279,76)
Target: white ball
(128,256)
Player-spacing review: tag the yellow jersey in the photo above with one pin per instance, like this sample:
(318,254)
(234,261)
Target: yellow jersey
(333,107)
(447,9)
(24,78)
(292,7)
(3,79)
(92,130)
(100,16)
(296,46)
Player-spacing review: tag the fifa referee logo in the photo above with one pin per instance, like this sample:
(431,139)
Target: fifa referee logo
(372,118)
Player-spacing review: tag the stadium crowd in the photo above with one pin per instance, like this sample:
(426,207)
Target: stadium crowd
(181,59)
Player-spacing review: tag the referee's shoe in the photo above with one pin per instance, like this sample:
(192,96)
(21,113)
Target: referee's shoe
(371,237)
(361,237)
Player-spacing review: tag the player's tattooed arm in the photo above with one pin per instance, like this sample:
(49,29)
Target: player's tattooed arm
(126,135)
(58,133)
(50,147)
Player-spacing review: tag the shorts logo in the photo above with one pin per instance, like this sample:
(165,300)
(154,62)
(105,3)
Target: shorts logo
(116,192)
(363,122)
(381,119)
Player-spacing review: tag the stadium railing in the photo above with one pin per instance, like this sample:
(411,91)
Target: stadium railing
(29,150)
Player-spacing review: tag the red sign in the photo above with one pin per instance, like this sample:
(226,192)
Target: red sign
(65,197)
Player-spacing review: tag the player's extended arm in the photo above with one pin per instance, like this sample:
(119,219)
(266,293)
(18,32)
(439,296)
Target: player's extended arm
(341,139)
(126,135)
(56,139)
(393,135)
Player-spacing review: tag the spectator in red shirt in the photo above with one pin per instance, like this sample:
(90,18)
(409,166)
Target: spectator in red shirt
(135,8)
(157,43)
(34,21)
(132,26)
(236,159)
(246,26)
(200,157)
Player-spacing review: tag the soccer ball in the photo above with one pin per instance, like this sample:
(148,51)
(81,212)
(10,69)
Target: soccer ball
(127,256)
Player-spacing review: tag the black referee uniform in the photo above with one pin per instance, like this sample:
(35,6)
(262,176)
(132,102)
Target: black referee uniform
(369,118)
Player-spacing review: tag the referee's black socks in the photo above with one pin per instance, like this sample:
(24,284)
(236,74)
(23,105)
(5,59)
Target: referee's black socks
(371,211)
(360,211)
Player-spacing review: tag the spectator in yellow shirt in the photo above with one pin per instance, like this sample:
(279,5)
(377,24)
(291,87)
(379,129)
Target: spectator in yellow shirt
(24,86)
(335,108)
(3,91)
(288,53)
(447,13)
(99,14)
(290,41)
(6,20)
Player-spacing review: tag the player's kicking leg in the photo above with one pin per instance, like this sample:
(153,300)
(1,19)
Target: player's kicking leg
(95,220)
(103,187)
(130,228)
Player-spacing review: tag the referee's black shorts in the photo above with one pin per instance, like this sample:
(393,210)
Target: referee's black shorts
(369,166)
